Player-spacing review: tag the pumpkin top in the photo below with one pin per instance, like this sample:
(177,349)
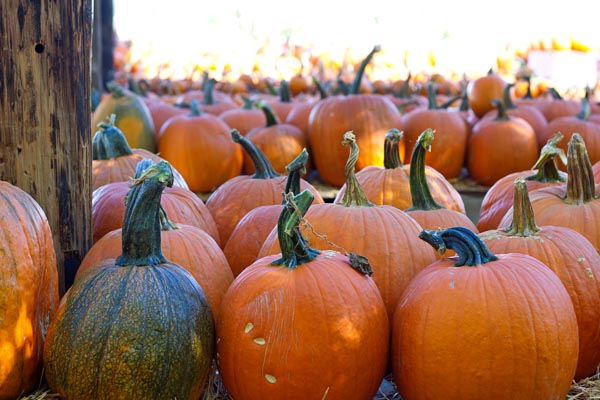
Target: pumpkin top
(523,223)
(355,88)
(295,170)
(354,195)
(262,166)
(294,248)
(547,171)
(580,182)
(391,156)
(419,189)
(109,141)
(468,246)
(141,224)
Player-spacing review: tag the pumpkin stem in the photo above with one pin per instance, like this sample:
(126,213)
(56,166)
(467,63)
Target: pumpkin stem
(284,92)
(295,170)
(355,88)
(419,189)
(109,141)
(547,171)
(248,102)
(391,155)
(580,183)
(208,97)
(270,115)
(554,93)
(468,246)
(294,248)
(320,88)
(523,223)
(117,91)
(262,166)
(404,91)
(507,98)
(585,111)
(195,110)
(431,96)
(141,224)
(502,114)
(354,195)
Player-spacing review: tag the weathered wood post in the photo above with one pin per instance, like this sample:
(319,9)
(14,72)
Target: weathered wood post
(45,116)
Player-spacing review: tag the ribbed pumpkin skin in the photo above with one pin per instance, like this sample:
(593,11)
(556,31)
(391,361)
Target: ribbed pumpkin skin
(188,246)
(133,118)
(325,328)
(28,290)
(134,332)
(502,330)
(391,187)
(385,235)
(181,205)
(369,116)
(577,264)
(122,169)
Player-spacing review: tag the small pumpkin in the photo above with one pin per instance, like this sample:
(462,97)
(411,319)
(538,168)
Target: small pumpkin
(133,116)
(138,327)
(288,310)
(483,90)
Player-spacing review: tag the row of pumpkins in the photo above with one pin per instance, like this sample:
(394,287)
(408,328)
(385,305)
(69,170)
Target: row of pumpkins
(479,129)
(262,284)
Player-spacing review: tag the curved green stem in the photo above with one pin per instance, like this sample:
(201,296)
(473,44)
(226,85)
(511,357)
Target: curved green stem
(262,166)
(294,248)
(419,189)
(284,92)
(141,224)
(404,91)
(295,170)
(585,111)
(270,115)
(507,98)
(547,171)
(320,88)
(580,183)
(502,114)
(523,222)
(195,110)
(354,194)
(208,97)
(355,88)
(468,246)
(391,155)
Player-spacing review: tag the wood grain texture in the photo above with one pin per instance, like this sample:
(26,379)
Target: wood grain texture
(45,114)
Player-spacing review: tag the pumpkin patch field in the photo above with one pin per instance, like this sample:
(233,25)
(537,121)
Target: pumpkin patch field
(319,233)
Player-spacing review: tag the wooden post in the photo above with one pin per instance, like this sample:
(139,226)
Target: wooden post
(45,116)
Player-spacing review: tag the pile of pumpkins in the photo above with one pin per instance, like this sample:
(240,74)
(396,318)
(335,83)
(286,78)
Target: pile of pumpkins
(287,296)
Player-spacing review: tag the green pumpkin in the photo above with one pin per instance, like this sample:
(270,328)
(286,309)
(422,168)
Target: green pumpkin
(138,327)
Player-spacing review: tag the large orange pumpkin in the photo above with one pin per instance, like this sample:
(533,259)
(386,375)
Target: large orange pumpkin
(28,290)
(571,256)
(369,116)
(483,326)
(302,324)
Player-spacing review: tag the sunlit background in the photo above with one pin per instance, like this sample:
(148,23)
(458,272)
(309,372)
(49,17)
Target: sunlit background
(176,37)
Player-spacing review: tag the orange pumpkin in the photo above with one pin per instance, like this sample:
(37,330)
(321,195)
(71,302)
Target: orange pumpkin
(287,310)
(474,320)
(244,118)
(481,91)
(28,290)
(571,256)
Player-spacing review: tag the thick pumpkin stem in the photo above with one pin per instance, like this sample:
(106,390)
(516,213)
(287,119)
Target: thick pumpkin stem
(320,88)
(165,223)
(141,224)
(208,97)
(391,155)
(507,98)
(355,88)
(502,114)
(270,115)
(354,195)
(468,246)
(116,90)
(523,223)
(295,250)
(109,141)
(284,92)
(248,102)
(547,171)
(580,183)
(586,110)
(295,170)
(262,166)
(419,189)
(404,91)
(195,110)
